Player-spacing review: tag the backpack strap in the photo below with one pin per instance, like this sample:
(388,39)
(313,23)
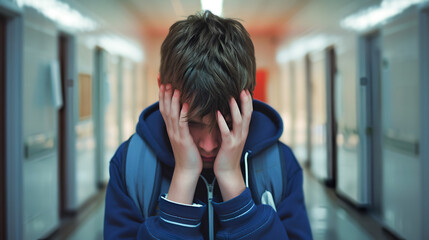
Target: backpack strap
(267,176)
(142,172)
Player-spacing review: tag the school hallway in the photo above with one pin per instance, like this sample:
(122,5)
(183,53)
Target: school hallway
(330,218)
(349,79)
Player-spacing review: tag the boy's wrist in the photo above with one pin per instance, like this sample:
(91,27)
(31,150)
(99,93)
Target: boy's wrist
(231,183)
(182,187)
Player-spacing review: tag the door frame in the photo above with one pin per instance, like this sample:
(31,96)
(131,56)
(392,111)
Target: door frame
(369,87)
(424,117)
(331,71)
(292,102)
(309,107)
(66,133)
(100,74)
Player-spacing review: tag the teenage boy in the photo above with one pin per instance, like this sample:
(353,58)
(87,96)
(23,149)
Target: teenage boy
(203,131)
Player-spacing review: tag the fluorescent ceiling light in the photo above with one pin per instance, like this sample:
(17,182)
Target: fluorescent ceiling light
(117,45)
(214,6)
(376,15)
(62,14)
(305,45)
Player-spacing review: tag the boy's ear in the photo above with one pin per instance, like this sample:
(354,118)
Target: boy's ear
(159,80)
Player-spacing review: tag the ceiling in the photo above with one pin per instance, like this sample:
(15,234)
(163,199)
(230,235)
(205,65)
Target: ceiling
(258,16)
(279,19)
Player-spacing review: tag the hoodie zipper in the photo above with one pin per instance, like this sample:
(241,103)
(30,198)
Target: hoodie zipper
(210,188)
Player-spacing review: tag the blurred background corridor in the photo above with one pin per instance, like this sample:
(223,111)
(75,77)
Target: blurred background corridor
(349,77)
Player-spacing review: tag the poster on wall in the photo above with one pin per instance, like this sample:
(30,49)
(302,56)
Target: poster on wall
(85,96)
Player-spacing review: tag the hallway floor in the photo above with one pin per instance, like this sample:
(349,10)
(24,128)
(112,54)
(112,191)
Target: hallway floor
(330,218)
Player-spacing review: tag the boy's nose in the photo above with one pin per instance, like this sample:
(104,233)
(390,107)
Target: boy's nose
(209,143)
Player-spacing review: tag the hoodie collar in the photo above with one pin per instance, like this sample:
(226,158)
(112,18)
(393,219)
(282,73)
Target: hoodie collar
(265,129)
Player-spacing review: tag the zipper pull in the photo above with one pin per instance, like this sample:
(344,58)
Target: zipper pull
(210,192)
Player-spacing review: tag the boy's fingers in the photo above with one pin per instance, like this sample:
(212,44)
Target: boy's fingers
(246,108)
(183,123)
(161,99)
(167,98)
(246,104)
(167,103)
(174,111)
(223,127)
(235,114)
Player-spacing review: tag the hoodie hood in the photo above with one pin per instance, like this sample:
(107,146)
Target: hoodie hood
(265,129)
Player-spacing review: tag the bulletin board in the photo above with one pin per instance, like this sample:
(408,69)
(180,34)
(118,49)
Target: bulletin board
(85,96)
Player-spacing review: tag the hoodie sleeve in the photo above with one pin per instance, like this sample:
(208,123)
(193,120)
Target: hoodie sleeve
(240,217)
(123,220)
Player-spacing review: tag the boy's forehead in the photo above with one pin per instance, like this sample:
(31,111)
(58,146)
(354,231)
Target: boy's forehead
(207,119)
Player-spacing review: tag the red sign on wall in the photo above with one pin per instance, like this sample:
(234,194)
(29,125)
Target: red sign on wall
(260,92)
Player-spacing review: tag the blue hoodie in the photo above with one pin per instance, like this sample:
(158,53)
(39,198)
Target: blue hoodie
(238,218)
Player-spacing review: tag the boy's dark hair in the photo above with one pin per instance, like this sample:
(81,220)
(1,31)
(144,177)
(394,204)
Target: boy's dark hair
(208,59)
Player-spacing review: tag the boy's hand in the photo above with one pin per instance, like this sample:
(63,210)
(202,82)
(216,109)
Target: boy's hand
(227,164)
(188,163)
